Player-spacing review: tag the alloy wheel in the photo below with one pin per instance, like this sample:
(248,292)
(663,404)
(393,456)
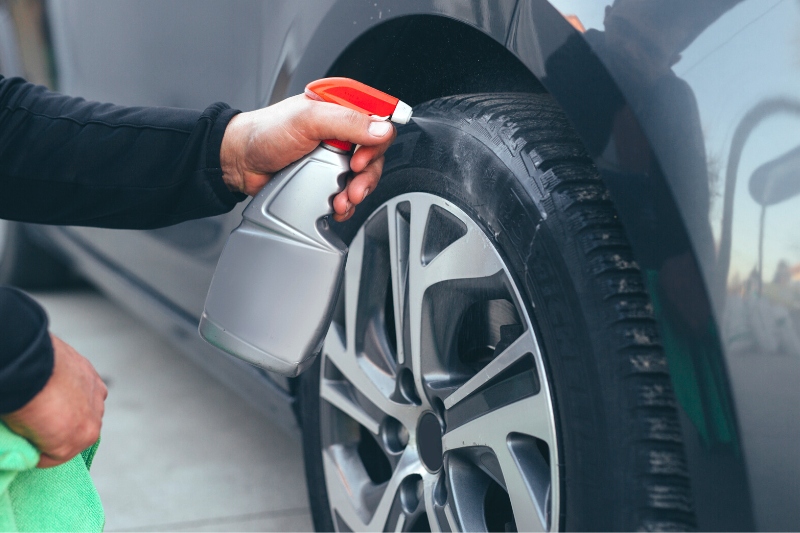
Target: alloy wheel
(435,407)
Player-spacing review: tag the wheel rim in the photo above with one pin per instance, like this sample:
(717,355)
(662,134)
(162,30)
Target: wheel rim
(435,407)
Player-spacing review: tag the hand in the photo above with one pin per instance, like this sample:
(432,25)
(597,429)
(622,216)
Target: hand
(258,144)
(64,418)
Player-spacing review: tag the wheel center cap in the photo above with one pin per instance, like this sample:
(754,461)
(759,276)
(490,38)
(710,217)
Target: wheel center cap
(429,441)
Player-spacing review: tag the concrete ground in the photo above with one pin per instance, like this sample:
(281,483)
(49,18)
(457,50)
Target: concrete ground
(179,451)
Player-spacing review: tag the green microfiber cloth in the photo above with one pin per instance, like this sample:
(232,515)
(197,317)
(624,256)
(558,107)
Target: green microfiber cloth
(62,498)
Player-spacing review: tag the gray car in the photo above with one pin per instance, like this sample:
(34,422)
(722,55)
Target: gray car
(572,302)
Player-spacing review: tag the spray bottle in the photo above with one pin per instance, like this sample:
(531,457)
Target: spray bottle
(272,296)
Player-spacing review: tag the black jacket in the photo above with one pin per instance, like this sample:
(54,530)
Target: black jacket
(64,160)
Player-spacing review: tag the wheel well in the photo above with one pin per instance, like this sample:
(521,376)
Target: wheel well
(422,57)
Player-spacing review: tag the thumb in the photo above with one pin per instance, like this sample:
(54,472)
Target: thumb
(332,121)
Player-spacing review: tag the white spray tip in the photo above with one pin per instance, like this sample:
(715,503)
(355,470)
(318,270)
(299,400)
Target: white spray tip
(402,113)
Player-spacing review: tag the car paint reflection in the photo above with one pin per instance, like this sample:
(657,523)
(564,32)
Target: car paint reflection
(748,245)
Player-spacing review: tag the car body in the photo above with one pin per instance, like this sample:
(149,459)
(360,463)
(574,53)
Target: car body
(704,113)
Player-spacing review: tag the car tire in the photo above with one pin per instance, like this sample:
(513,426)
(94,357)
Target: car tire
(510,165)
(25,264)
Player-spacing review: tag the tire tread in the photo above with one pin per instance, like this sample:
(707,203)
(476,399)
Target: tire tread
(558,165)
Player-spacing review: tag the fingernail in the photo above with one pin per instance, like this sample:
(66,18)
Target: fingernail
(379,129)
(366,192)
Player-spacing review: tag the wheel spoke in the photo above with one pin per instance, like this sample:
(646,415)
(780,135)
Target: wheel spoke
(429,485)
(451,519)
(527,484)
(339,395)
(339,348)
(347,483)
(415,288)
(346,363)
(349,488)
(4,226)
(401,523)
(528,506)
(466,258)
(344,359)
(398,254)
(529,416)
(523,345)
(466,495)
(409,464)
(352,283)
(407,518)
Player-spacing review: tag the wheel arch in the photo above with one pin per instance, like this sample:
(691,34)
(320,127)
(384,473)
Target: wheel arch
(422,54)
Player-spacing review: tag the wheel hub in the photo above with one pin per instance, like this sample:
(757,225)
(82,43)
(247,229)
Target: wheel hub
(429,441)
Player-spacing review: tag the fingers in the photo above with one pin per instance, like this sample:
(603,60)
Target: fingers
(357,190)
(342,206)
(364,182)
(81,436)
(367,163)
(367,154)
(59,458)
(77,437)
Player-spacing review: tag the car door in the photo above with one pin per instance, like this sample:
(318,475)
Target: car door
(178,53)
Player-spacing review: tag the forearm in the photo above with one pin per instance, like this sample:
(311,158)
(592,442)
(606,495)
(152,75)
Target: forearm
(64,160)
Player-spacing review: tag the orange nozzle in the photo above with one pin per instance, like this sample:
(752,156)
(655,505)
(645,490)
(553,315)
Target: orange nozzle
(359,97)
(352,94)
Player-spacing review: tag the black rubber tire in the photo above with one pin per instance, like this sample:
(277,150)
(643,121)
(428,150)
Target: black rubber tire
(25,264)
(514,164)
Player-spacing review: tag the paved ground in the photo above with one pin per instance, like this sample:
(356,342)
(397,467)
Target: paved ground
(179,451)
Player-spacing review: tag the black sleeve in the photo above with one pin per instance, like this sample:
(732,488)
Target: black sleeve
(64,160)
(26,353)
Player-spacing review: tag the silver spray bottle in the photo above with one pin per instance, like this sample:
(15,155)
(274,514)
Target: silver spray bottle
(272,296)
